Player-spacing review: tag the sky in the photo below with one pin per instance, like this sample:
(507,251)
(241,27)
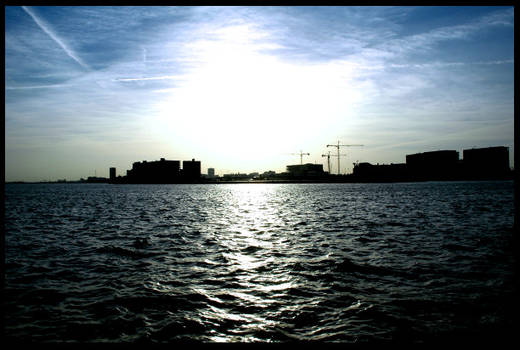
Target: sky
(246,89)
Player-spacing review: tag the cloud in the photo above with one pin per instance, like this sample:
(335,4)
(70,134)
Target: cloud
(46,28)
(36,87)
(499,18)
(165,77)
(439,64)
(199,81)
(426,40)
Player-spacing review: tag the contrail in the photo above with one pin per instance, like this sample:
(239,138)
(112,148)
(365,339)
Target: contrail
(53,36)
(35,87)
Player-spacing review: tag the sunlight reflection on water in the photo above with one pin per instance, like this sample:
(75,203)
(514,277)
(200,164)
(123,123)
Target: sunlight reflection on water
(248,238)
(259,262)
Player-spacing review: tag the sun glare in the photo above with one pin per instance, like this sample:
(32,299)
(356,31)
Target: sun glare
(247,104)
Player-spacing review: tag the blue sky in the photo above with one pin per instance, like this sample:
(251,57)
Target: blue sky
(245,88)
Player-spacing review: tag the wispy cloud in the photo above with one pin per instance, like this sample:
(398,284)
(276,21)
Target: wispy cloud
(35,87)
(46,28)
(193,80)
(165,77)
(426,40)
(437,64)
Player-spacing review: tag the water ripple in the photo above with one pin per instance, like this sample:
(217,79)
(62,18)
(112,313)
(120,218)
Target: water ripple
(318,262)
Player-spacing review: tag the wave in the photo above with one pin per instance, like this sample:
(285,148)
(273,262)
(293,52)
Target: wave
(131,253)
(348,265)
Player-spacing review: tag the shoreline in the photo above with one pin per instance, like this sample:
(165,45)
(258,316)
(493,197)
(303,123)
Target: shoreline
(306,181)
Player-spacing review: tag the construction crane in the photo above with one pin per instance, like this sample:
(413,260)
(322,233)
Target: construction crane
(328,160)
(328,155)
(338,146)
(301,154)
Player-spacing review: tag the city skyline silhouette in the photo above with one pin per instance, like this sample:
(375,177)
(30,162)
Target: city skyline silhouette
(244,88)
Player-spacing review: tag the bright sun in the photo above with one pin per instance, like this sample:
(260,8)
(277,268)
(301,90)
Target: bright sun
(249,106)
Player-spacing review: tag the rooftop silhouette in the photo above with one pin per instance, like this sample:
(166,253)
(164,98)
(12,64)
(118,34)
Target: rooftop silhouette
(491,163)
(159,172)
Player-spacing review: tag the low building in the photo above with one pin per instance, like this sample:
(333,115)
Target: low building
(95,179)
(380,173)
(305,170)
(191,170)
(236,177)
(490,162)
(160,172)
(437,165)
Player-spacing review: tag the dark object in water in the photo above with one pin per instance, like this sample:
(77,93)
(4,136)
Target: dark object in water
(348,266)
(131,253)
(140,243)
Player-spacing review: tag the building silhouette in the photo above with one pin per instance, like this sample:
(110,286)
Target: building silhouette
(437,165)
(112,172)
(191,170)
(367,172)
(236,177)
(305,170)
(491,162)
(160,172)
(163,171)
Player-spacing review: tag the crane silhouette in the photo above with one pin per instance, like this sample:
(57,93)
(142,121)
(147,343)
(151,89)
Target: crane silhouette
(328,160)
(338,146)
(328,155)
(301,154)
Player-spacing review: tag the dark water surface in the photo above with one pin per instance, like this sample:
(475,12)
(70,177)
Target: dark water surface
(259,262)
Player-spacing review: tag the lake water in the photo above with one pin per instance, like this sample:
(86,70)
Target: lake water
(259,262)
